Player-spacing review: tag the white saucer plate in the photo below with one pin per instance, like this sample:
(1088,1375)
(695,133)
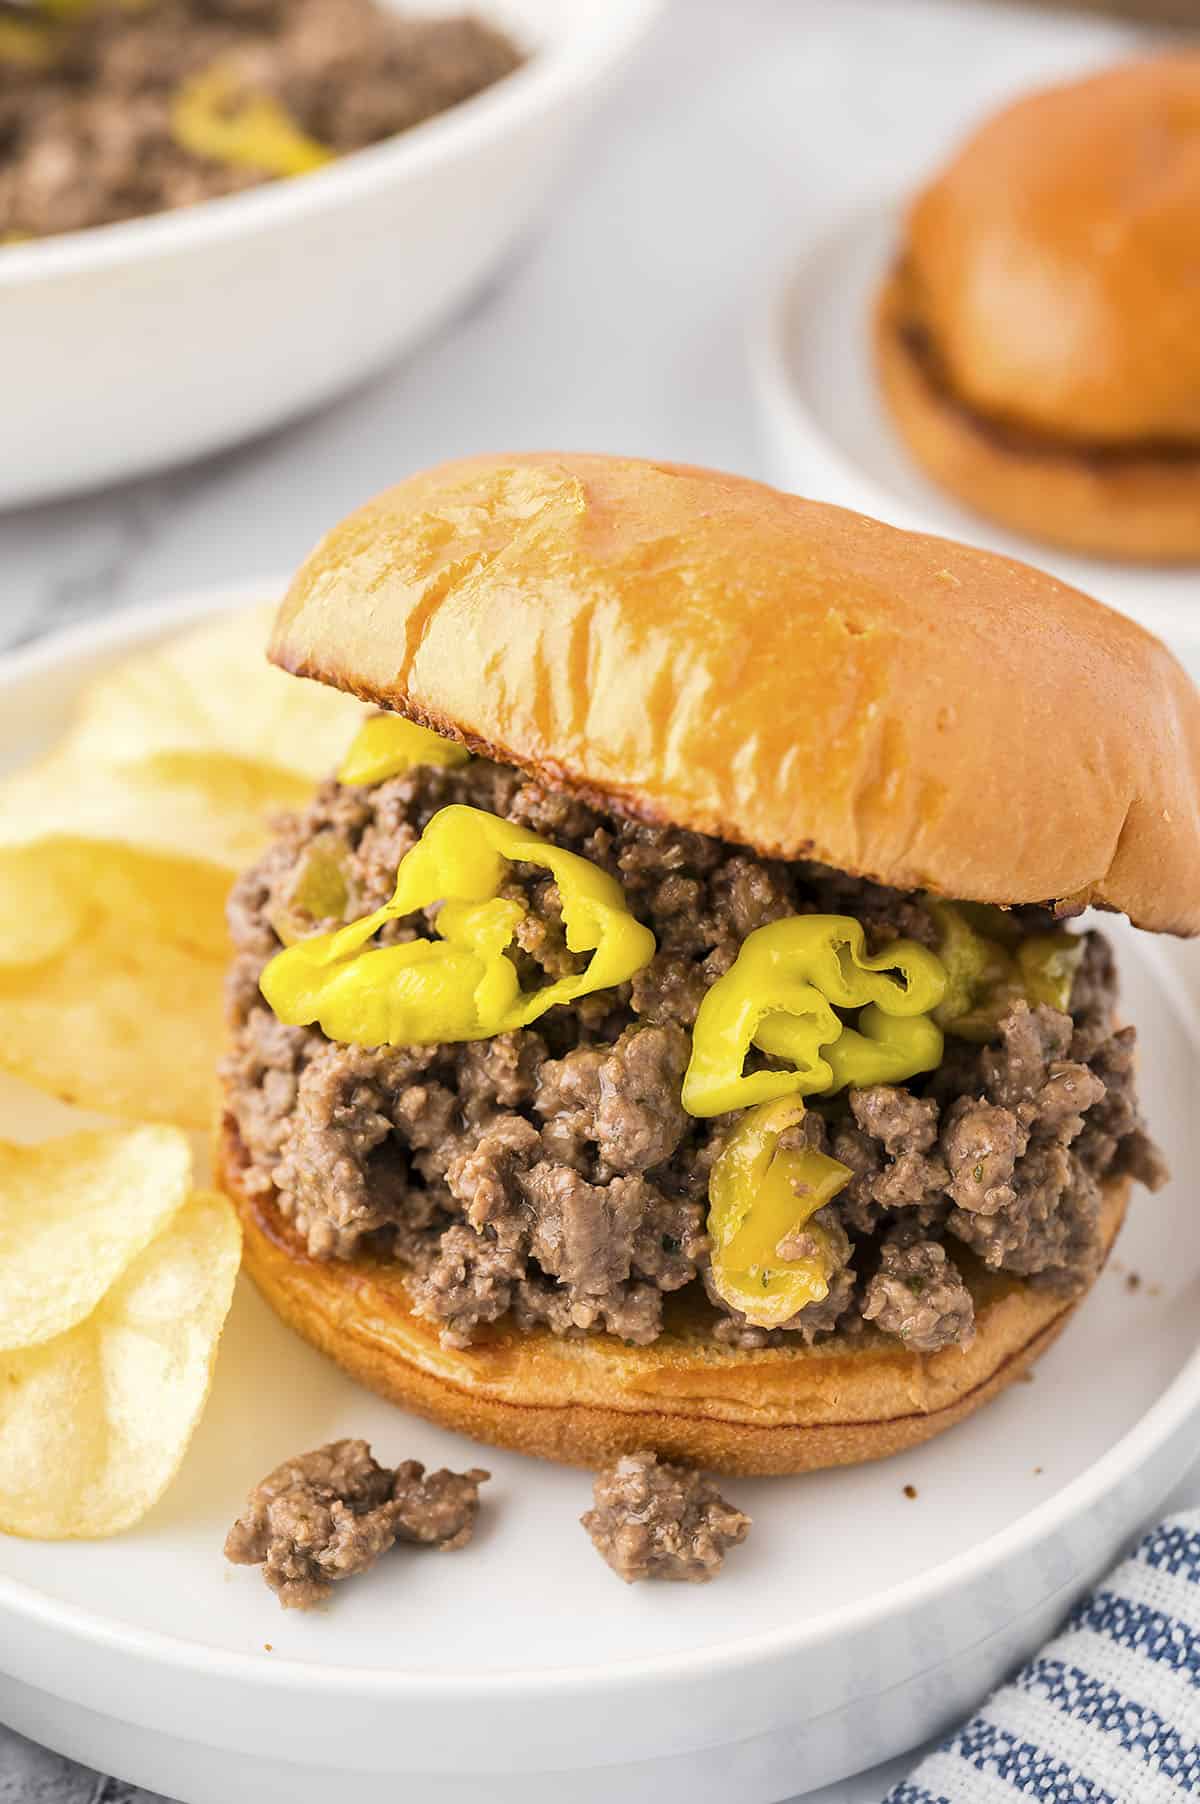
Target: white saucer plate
(828,436)
(854,1622)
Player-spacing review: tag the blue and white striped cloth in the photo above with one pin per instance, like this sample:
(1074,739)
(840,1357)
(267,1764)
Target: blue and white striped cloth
(1107,1713)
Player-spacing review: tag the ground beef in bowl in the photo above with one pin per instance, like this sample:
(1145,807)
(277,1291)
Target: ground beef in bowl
(89,133)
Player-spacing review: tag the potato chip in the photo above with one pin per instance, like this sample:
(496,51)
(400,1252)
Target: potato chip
(95,1423)
(184,751)
(116,855)
(74,1214)
(50,889)
(210,692)
(126,1023)
(112,968)
(216,815)
(39,912)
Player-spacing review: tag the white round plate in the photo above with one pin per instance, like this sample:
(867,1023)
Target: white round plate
(828,435)
(855,1621)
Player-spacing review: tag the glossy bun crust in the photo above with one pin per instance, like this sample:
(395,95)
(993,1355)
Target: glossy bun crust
(784,1409)
(700,649)
(1051,269)
(1056,258)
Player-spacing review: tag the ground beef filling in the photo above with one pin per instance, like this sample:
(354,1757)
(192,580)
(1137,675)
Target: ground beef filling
(654,1520)
(552,1177)
(86,132)
(326,1515)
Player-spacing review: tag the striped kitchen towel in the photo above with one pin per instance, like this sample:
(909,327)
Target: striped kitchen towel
(1107,1713)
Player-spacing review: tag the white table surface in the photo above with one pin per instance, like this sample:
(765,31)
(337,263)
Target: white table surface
(620,327)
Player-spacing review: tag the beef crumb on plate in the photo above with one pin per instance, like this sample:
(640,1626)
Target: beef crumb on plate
(328,1514)
(656,1520)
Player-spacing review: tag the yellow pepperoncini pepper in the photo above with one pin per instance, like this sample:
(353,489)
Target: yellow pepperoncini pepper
(759,1198)
(460,986)
(214,116)
(33,42)
(990,965)
(66,9)
(780,995)
(318,890)
(29,43)
(1047,964)
(387,745)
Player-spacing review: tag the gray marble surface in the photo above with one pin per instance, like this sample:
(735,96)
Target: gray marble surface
(30,1775)
(620,326)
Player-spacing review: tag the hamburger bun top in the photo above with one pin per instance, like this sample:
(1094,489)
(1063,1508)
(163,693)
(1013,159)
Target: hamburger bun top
(699,649)
(1056,258)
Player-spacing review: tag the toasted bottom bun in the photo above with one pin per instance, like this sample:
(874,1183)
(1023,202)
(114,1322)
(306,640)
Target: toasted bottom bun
(782,1409)
(1142,505)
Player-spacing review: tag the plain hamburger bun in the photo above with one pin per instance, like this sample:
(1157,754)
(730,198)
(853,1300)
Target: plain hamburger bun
(1144,507)
(703,650)
(585,1401)
(1039,341)
(699,649)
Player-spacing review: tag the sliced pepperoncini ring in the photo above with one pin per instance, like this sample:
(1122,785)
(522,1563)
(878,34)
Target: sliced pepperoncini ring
(985,977)
(460,986)
(760,1197)
(214,115)
(781,994)
(387,745)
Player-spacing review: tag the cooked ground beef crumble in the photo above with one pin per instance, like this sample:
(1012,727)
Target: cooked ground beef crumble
(551,1176)
(655,1520)
(86,130)
(326,1515)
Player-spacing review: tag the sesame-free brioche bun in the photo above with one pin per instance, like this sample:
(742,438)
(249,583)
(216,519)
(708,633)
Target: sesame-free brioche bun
(700,649)
(584,1401)
(1039,345)
(1056,258)
(1143,505)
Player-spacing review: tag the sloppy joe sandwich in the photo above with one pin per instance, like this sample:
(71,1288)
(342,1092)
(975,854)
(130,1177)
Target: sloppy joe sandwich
(1038,339)
(670,1030)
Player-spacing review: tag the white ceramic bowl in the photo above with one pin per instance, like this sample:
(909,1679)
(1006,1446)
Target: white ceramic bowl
(137,345)
(828,436)
(854,1622)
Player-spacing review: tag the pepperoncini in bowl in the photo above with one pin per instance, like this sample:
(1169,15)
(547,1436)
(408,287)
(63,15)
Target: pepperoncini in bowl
(214,115)
(461,985)
(26,43)
(32,34)
(761,1195)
